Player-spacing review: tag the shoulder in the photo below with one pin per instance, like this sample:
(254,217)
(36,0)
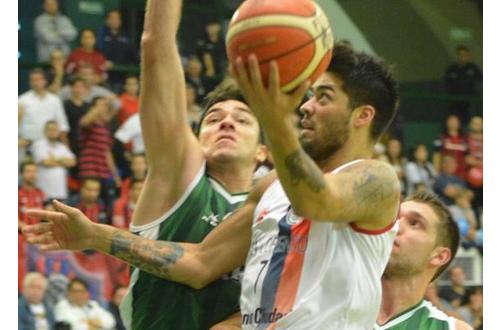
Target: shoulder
(41,18)
(40,143)
(53,98)
(372,173)
(25,96)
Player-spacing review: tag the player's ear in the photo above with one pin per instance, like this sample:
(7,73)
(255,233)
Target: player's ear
(440,256)
(363,115)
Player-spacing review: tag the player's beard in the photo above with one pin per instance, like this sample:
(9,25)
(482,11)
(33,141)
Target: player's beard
(401,269)
(333,135)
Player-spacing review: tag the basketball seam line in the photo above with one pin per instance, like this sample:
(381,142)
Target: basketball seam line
(266,60)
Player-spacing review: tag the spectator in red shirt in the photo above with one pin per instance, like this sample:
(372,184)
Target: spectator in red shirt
(129,99)
(139,169)
(29,197)
(125,205)
(474,159)
(87,53)
(95,157)
(452,142)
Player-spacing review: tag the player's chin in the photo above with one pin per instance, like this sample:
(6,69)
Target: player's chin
(226,153)
(307,140)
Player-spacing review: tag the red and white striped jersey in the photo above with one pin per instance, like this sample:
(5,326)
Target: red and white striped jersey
(303,274)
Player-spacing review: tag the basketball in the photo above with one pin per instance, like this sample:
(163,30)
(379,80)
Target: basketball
(294,33)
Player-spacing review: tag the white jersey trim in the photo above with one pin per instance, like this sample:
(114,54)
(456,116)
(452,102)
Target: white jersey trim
(169,212)
(230,198)
(434,313)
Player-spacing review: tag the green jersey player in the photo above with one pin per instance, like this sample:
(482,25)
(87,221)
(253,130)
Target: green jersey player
(426,244)
(192,183)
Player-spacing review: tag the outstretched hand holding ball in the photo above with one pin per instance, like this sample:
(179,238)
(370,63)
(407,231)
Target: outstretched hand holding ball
(293,33)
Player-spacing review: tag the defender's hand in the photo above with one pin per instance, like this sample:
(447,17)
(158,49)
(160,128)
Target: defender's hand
(66,229)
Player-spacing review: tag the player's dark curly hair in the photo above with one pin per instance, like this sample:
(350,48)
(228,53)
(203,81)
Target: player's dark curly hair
(367,80)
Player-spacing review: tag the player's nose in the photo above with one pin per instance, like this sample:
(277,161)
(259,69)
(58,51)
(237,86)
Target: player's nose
(227,123)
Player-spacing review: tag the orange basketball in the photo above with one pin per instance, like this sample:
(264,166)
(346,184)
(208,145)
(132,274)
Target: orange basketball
(295,33)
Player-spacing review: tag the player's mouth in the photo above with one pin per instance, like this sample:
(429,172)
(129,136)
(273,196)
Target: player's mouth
(226,137)
(306,124)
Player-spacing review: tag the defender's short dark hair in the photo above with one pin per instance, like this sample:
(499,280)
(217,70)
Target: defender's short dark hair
(367,80)
(448,234)
(227,90)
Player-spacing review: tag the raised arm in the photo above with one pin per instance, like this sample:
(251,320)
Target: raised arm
(366,193)
(196,265)
(174,155)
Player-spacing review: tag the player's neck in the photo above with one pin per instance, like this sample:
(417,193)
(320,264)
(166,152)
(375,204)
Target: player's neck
(350,151)
(234,177)
(400,295)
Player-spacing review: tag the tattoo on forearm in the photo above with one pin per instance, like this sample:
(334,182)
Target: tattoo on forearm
(373,186)
(155,257)
(303,169)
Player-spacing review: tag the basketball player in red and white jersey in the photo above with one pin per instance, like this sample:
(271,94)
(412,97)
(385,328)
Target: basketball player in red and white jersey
(317,240)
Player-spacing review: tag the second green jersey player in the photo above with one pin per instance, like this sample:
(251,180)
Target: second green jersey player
(155,303)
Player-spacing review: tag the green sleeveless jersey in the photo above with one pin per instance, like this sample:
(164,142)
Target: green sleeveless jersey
(423,316)
(155,303)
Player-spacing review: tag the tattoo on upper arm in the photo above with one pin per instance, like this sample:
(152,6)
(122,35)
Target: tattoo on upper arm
(302,168)
(372,186)
(155,257)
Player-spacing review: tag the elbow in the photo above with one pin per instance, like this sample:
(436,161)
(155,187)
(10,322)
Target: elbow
(197,283)
(200,275)
(199,278)
(149,48)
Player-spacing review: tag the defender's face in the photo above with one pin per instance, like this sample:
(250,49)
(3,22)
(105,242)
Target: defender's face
(325,122)
(415,241)
(229,131)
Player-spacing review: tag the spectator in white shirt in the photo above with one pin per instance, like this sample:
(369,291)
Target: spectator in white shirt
(37,106)
(53,158)
(81,312)
(130,131)
(33,312)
